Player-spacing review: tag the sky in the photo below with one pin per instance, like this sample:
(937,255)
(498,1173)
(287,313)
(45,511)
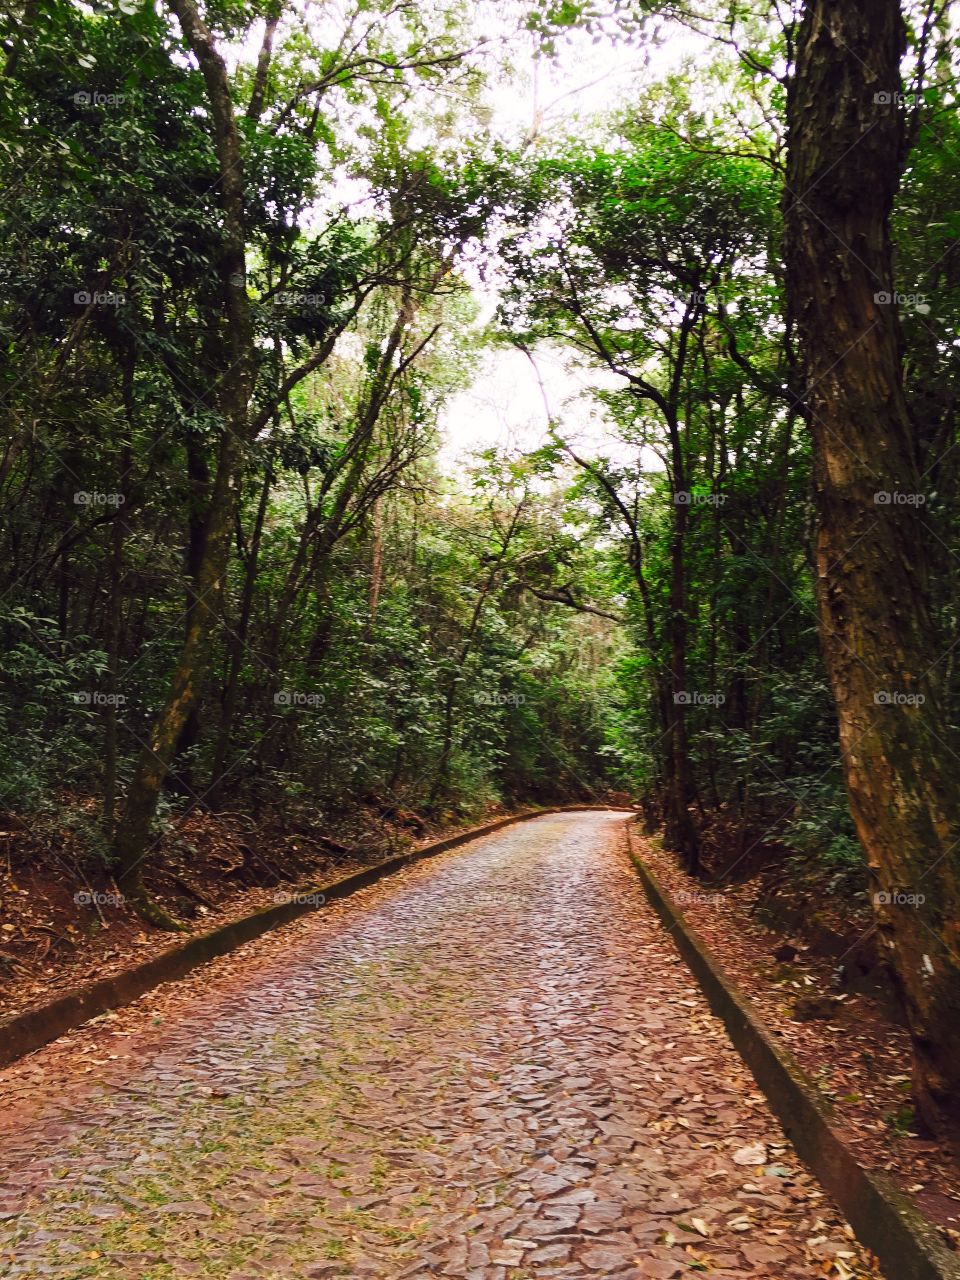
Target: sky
(505,406)
(587,78)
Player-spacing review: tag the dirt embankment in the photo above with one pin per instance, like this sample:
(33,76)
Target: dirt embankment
(802,947)
(64,922)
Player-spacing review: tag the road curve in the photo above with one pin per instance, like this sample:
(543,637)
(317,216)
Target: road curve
(491,1066)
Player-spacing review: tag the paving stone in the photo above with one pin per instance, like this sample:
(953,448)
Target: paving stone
(475,1068)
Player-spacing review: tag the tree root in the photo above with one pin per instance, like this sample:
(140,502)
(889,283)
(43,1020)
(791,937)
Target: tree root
(149,910)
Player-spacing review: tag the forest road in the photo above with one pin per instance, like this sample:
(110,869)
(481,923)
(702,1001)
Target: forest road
(491,1065)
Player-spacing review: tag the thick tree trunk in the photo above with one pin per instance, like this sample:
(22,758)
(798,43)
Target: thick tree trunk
(680,832)
(846,147)
(111,683)
(235,359)
(133,832)
(180,778)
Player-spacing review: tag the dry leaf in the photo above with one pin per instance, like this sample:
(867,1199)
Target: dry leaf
(753,1154)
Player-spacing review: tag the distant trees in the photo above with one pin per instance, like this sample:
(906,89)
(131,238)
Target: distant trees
(768,375)
(636,259)
(235,306)
(219,509)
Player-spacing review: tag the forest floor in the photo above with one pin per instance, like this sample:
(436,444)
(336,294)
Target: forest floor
(63,924)
(492,1065)
(847,1038)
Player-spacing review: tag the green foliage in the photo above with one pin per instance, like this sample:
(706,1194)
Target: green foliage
(48,717)
(393,637)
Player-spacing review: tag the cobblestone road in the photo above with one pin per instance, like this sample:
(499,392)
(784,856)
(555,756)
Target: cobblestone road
(492,1066)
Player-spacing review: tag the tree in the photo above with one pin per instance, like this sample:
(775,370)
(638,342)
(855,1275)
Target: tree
(234,353)
(231,347)
(625,252)
(847,145)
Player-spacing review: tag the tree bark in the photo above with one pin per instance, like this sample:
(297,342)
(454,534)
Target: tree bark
(846,150)
(237,645)
(680,833)
(376,565)
(180,778)
(233,394)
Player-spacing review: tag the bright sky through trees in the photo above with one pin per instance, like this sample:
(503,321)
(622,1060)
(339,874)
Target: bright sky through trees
(585,84)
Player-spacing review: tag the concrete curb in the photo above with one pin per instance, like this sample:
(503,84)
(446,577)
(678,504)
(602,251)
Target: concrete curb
(884,1219)
(26,1032)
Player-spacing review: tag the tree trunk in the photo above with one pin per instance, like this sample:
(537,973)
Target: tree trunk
(679,830)
(442,775)
(111,684)
(180,779)
(114,620)
(133,832)
(237,645)
(846,149)
(324,527)
(376,565)
(236,341)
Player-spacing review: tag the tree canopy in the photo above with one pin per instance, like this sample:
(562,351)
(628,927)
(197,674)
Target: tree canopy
(257,261)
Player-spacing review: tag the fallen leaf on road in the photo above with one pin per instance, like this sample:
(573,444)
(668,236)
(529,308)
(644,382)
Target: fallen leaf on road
(754,1154)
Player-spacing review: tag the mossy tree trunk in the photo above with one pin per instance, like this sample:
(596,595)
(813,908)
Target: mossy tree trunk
(235,359)
(846,151)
